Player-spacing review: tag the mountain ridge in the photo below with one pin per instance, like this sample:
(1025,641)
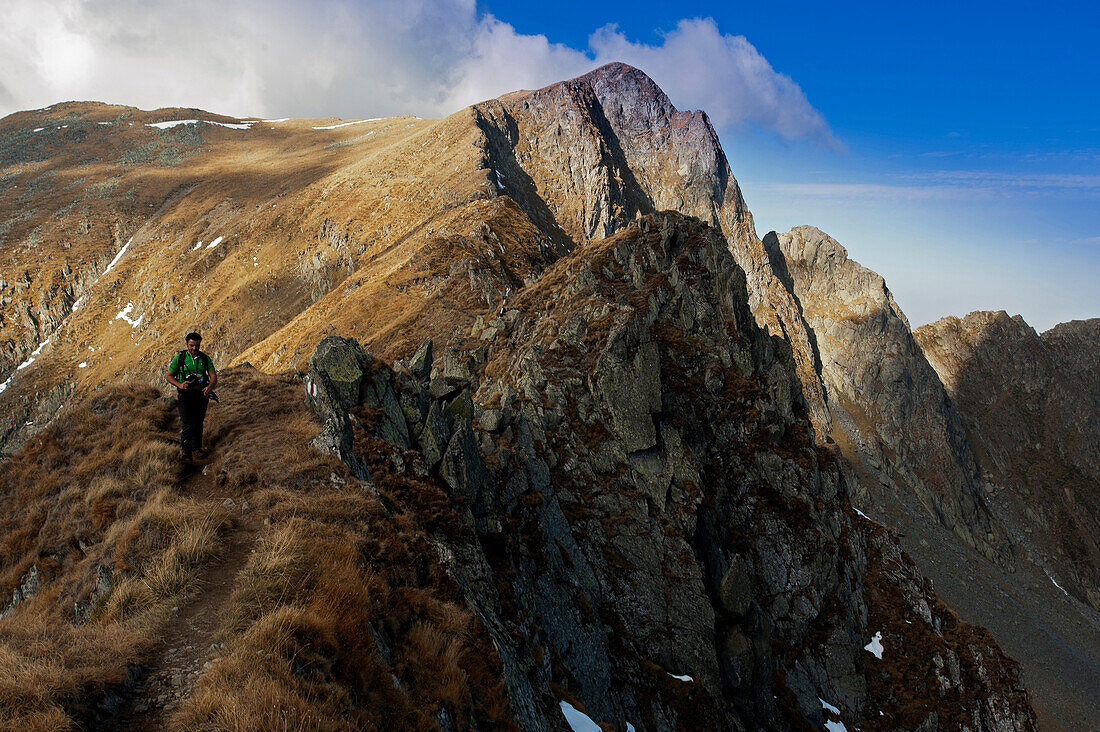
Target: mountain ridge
(400,230)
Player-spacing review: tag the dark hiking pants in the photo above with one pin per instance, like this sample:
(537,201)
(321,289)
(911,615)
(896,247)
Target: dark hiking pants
(192,406)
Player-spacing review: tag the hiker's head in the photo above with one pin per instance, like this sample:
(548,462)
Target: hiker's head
(193,341)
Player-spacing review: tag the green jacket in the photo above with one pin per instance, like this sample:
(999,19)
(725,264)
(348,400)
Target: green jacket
(184,365)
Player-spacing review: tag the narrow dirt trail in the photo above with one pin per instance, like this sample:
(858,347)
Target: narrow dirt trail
(188,646)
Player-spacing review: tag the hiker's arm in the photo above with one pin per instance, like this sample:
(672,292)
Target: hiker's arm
(171,377)
(213,381)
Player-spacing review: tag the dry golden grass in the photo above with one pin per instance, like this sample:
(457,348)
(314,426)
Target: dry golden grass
(343,618)
(301,627)
(99,488)
(332,571)
(301,210)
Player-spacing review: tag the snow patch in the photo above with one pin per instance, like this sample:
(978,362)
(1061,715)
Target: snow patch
(172,123)
(214,243)
(124,314)
(82,365)
(283,119)
(830,725)
(684,678)
(861,513)
(875,646)
(38,129)
(40,347)
(500,180)
(175,122)
(1063,589)
(25,364)
(115,260)
(345,124)
(197,247)
(578,720)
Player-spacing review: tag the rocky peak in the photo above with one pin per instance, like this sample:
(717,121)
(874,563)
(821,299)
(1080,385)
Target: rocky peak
(629,96)
(862,291)
(589,155)
(615,138)
(890,412)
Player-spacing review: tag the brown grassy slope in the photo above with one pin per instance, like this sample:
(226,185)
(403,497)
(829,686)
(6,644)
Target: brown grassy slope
(400,298)
(95,490)
(340,596)
(299,210)
(343,617)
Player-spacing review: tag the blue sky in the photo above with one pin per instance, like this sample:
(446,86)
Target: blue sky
(953,148)
(969,174)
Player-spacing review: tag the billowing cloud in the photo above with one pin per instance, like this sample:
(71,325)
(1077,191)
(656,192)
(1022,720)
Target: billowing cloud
(354,59)
(699,67)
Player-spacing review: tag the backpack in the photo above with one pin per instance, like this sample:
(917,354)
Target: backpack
(202,359)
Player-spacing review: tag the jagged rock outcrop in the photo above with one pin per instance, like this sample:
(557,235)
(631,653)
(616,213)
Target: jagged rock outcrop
(590,154)
(890,412)
(1029,405)
(650,534)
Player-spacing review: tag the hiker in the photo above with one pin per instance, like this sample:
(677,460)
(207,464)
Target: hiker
(192,373)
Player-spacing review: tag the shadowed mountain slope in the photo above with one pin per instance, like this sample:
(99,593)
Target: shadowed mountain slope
(1036,432)
(982,424)
(891,415)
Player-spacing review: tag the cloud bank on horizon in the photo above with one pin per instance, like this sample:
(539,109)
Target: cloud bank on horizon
(353,59)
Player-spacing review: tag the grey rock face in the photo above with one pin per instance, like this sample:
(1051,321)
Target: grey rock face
(1030,409)
(881,391)
(651,526)
(628,382)
(586,157)
(1076,346)
(335,377)
(337,362)
(28,587)
(420,366)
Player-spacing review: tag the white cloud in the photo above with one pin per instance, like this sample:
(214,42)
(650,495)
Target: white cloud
(502,60)
(702,68)
(354,59)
